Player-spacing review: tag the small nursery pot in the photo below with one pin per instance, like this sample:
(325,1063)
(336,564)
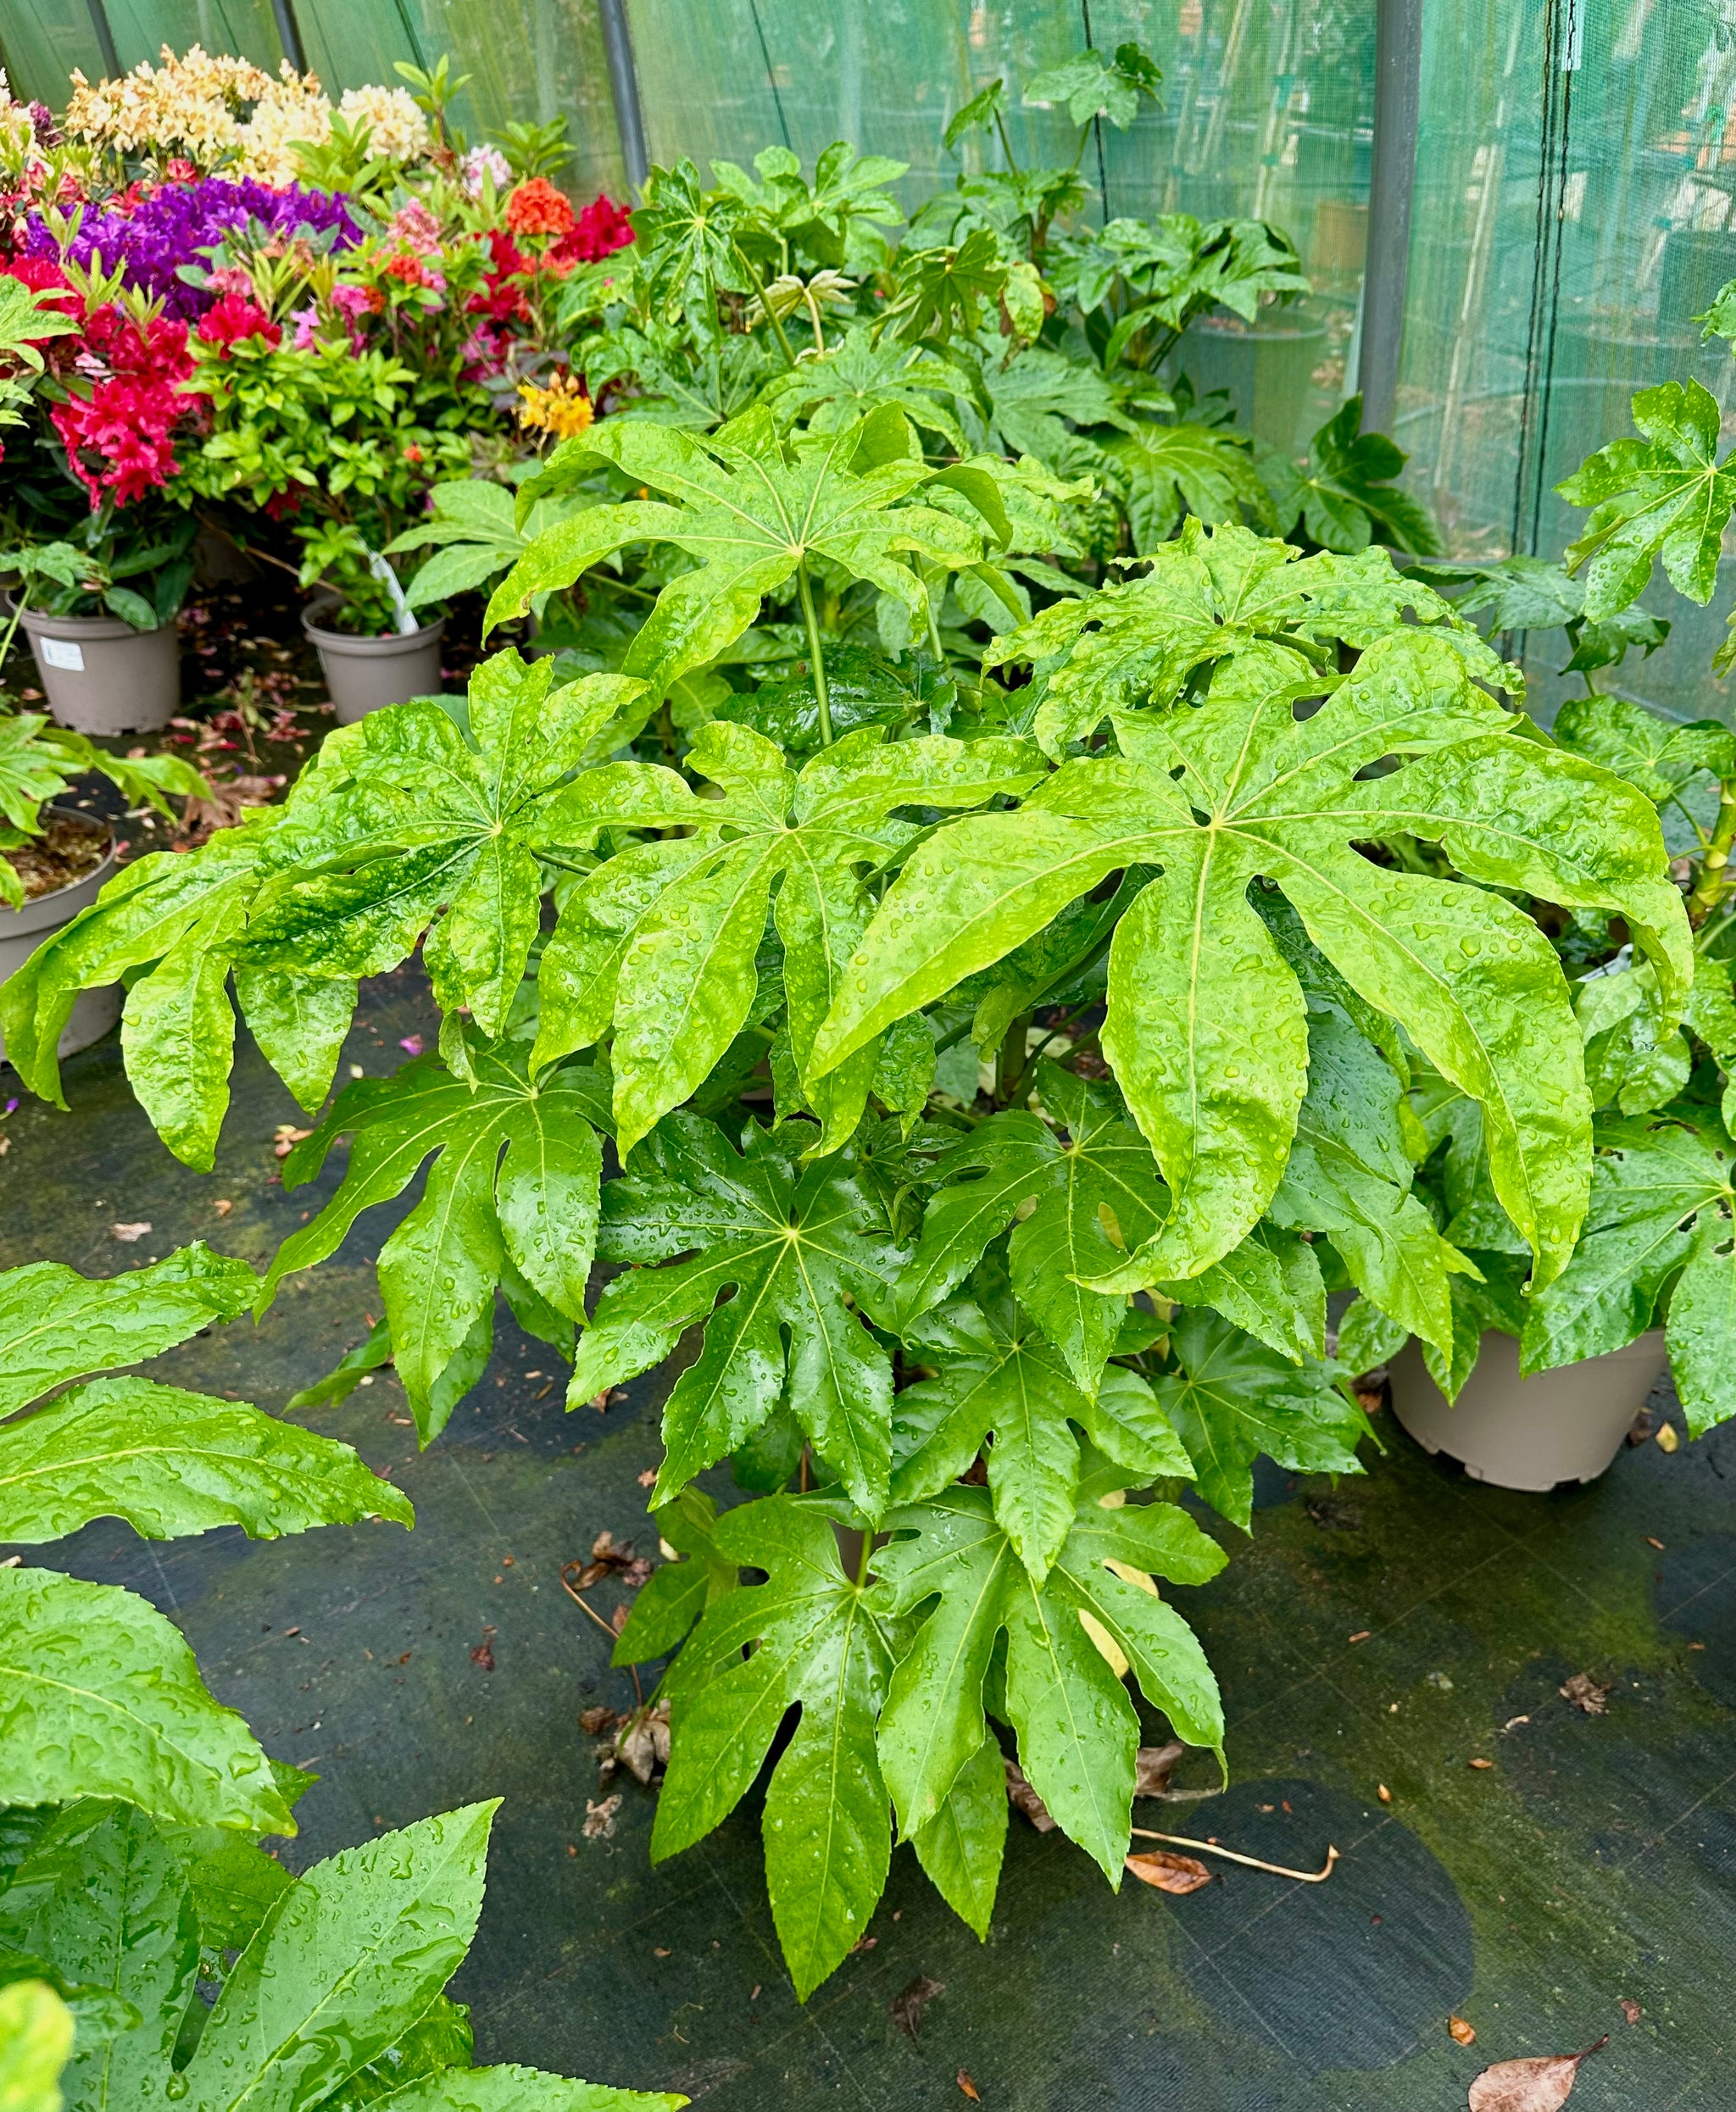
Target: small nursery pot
(94,1012)
(364,674)
(101,677)
(1562,1426)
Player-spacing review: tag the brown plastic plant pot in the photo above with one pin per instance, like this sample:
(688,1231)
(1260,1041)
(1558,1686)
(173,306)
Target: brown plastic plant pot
(102,677)
(364,675)
(94,1012)
(1561,1426)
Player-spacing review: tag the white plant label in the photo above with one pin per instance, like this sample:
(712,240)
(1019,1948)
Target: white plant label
(62,652)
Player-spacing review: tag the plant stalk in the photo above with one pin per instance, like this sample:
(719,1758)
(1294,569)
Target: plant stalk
(1710,885)
(804,588)
(759,285)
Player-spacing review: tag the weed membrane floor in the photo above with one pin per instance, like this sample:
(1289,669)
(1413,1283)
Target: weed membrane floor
(1593,1865)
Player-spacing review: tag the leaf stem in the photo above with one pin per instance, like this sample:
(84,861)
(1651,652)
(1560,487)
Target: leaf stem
(1710,885)
(804,588)
(1251,1862)
(1006,145)
(771,317)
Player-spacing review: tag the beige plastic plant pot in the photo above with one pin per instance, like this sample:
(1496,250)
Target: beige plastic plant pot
(94,1012)
(1562,1426)
(102,677)
(364,674)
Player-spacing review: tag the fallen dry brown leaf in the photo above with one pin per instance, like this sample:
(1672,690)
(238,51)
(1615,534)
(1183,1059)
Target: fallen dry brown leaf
(599,1819)
(1158,1868)
(1538,2085)
(969,2087)
(1630,2009)
(1462,2031)
(1153,1766)
(1667,1440)
(129,1235)
(1025,1800)
(1587,1694)
(594,1722)
(910,2005)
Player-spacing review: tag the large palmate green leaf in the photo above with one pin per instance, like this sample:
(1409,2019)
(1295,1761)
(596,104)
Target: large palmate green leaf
(1343,492)
(1664,496)
(171,1463)
(1234,1399)
(472,524)
(99,1697)
(511,1200)
(1076,1728)
(1001,1389)
(1206,1020)
(664,939)
(414,822)
(1164,469)
(1083,1192)
(509,2088)
(55,1325)
(676,1593)
(1209,596)
(1658,755)
(753,511)
(1657,1236)
(816,1641)
(1348,1176)
(795,1249)
(857,376)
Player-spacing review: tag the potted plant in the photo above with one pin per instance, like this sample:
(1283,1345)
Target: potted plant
(1543,1386)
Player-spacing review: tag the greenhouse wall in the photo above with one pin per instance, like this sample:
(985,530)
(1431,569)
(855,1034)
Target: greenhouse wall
(1574,201)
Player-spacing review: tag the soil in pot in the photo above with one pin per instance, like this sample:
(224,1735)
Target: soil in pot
(65,851)
(62,871)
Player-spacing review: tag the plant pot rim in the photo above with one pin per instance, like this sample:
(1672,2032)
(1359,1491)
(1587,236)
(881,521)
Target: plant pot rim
(38,623)
(38,913)
(376,642)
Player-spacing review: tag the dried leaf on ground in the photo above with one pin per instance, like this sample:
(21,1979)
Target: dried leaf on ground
(1025,1800)
(969,2087)
(1538,2085)
(1589,1695)
(1153,1766)
(1667,1440)
(594,1722)
(643,1747)
(1168,1872)
(1630,2009)
(128,1235)
(910,2005)
(599,1819)
(1462,2031)
(481,1654)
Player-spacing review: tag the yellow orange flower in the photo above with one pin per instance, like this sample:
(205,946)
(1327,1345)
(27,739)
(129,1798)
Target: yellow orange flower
(563,408)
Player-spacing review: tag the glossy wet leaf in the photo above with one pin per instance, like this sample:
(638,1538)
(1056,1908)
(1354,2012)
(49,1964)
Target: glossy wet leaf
(1207,598)
(510,1202)
(1234,1399)
(100,1697)
(1663,497)
(818,1642)
(1083,1192)
(796,1248)
(1659,1219)
(1077,1729)
(110,1906)
(509,2088)
(751,509)
(1205,1016)
(677,1593)
(1167,469)
(1001,1389)
(663,940)
(353,1953)
(960,1847)
(55,1325)
(171,1463)
(1658,755)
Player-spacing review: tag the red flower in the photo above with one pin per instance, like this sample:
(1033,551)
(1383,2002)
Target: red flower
(536,208)
(500,301)
(227,321)
(120,437)
(179,169)
(598,231)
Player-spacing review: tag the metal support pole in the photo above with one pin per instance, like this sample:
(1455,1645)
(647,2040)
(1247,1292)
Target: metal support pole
(1398,71)
(624,85)
(289,34)
(105,39)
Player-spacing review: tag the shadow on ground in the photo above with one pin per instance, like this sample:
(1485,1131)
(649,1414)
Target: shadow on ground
(1592,1862)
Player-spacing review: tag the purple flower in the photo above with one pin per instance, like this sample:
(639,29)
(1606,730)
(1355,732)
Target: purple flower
(172,227)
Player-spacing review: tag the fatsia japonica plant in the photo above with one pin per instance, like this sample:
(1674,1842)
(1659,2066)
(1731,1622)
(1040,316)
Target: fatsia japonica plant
(1657,1247)
(991,1097)
(133,1805)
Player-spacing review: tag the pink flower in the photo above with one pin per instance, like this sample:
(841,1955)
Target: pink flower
(307,324)
(415,226)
